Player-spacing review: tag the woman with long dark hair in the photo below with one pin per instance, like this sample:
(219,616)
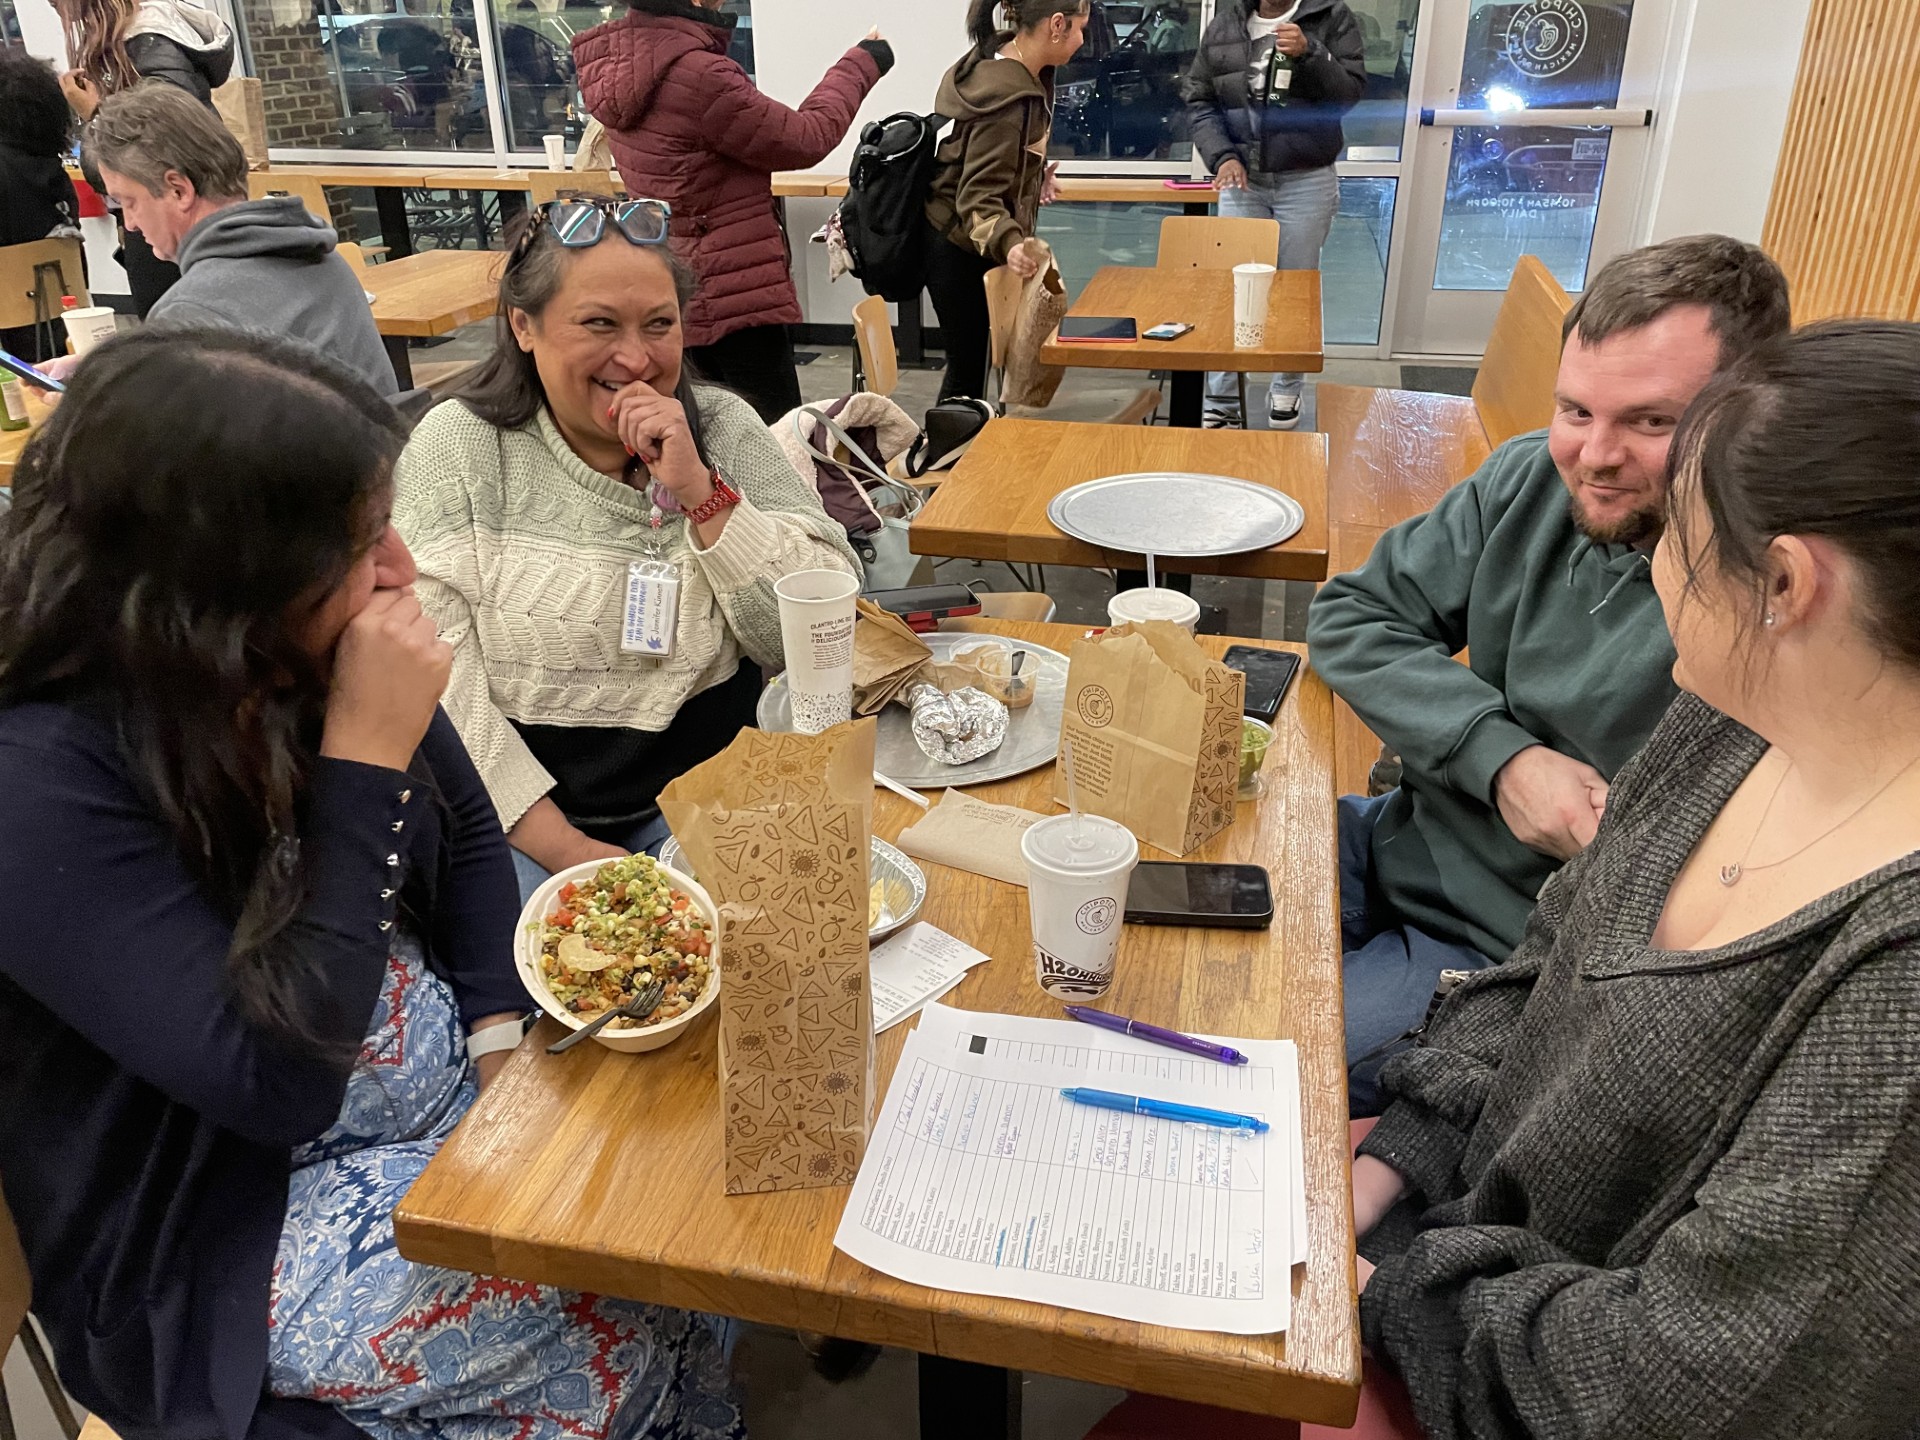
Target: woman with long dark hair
(36,197)
(992,174)
(582,448)
(259,948)
(113,45)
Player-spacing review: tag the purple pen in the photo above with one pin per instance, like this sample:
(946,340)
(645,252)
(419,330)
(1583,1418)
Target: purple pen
(1140,1030)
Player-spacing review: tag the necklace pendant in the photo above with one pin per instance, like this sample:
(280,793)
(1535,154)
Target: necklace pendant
(1730,875)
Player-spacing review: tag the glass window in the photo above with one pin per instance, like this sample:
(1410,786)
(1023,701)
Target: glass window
(1353,266)
(1376,125)
(1533,189)
(1119,98)
(1085,236)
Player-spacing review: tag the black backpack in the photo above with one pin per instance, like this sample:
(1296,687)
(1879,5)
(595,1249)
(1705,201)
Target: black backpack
(883,216)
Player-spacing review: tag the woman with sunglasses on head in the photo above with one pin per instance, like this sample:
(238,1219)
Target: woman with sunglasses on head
(580,449)
(688,125)
(260,957)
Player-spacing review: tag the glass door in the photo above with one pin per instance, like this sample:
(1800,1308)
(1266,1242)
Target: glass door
(1532,139)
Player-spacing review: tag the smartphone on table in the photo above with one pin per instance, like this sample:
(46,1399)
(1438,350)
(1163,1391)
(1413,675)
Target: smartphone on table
(1174,892)
(1168,330)
(33,376)
(1098,330)
(1268,673)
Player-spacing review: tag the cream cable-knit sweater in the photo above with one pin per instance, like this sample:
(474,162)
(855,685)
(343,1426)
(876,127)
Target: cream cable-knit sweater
(523,551)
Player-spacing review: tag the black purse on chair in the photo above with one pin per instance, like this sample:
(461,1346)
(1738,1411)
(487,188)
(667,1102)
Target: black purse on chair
(950,427)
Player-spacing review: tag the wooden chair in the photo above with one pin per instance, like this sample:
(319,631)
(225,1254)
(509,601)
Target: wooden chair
(1088,408)
(1393,453)
(16,1295)
(877,361)
(548,184)
(262,183)
(353,255)
(1218,242)
(22,267)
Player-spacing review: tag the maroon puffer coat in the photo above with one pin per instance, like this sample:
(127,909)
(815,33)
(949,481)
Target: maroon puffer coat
(687,126)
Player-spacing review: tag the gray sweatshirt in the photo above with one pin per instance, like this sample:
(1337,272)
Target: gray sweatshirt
(269,266)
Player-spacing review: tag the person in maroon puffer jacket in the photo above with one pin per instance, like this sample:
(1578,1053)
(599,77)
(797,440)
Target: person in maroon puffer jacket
(688,126)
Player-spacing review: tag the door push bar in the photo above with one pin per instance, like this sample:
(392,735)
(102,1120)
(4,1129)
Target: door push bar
(1497,119)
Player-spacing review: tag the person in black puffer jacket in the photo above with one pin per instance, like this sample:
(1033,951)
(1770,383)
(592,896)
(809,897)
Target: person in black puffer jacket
(113,44)
(36,197)
(1270,133)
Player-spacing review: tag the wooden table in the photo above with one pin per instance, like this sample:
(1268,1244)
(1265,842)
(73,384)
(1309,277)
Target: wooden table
(432,293)
(1136,190)
(1204,299)
(602,1172)
(993,505)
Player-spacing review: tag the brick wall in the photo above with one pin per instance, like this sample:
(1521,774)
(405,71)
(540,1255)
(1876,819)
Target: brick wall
(296,82)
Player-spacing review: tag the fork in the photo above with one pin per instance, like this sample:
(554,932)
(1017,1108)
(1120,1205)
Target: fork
(642,1005)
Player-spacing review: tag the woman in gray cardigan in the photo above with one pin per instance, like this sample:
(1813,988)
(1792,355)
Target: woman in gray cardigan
(1659,1175)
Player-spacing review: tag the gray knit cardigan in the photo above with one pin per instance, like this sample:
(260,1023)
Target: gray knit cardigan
(1659,1195)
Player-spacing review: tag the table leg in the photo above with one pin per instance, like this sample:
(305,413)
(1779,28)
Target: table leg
(396,232)
(1137,580)
(1197,207)
(1189,388)
(913,344)
(512,203)
(402,361)
(963,1401)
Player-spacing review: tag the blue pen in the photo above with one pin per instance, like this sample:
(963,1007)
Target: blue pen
(1165,1110)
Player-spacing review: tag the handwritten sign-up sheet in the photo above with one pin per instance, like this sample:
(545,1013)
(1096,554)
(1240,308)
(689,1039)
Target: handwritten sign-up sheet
(982,1177)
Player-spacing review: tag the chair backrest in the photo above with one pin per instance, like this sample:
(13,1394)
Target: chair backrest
(353,255)
(17,278)
(873,336)
(1217,242)
(547,184)
(1514,389)
(262,183)
(16,1285)
(1003,307)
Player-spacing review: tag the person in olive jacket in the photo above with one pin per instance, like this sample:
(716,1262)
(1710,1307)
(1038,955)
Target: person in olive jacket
(1265,96)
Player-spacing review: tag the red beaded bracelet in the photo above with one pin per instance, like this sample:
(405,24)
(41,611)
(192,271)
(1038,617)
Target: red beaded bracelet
(723,496)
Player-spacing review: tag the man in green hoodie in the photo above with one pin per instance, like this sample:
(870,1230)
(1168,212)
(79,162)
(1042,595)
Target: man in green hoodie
(1537,565)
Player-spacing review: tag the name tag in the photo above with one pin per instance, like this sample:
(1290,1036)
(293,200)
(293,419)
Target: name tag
(653,609)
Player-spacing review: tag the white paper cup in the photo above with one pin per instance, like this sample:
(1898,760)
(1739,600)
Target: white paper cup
(1130,607)
(816,632)
(1252,285)
(1076,899)
(88,326)
(556,151)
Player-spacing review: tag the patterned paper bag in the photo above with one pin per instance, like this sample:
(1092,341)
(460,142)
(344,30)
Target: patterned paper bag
(777,828)
(1155,728)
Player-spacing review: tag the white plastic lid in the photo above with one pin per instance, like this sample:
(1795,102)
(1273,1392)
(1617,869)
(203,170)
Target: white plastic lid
(1132,605)
(1073,846)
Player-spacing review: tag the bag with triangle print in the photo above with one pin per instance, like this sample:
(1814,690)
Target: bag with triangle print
(776,828)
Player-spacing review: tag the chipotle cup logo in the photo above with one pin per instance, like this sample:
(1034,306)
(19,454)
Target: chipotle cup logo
(1095,706)
(1096,916)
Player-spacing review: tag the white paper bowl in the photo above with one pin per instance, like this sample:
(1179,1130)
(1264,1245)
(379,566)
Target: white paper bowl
(526,959)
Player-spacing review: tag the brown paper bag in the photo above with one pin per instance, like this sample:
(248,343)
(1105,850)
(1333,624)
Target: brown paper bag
(886,657)
(244,112)
(777,827)
(1043,300)
(1155,729)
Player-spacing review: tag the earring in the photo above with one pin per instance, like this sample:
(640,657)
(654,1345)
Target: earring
(1769,617)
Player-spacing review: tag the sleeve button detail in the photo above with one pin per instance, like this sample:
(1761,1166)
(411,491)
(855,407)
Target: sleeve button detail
(405,796)
(385,925)
(386,894)
(398,826)
(393,860)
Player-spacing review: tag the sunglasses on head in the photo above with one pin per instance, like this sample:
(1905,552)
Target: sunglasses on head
(582,222)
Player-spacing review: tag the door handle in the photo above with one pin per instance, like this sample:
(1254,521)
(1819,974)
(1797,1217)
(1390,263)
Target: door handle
(1508,119)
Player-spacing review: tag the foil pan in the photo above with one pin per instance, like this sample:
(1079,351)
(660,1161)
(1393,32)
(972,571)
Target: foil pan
(902,884)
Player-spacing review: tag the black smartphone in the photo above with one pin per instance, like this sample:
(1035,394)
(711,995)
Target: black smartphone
(1268,673)
(923,607)
(1098,330)
(1172,892)
(32,376)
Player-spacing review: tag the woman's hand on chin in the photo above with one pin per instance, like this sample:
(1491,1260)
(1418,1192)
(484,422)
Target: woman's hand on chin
(654,427)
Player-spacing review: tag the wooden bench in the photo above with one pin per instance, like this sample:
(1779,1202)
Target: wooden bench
(1394,453)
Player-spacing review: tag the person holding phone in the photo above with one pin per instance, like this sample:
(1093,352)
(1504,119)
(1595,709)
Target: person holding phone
(1265,95)
(992,174)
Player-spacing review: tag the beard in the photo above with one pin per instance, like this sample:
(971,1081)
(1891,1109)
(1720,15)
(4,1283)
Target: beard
(1634,527)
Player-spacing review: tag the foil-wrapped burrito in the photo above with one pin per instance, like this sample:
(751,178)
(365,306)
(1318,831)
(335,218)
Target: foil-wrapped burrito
(958,727)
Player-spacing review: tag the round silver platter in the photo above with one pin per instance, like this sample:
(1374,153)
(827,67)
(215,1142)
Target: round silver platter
(903,884)
(1033,734)
(1175,514)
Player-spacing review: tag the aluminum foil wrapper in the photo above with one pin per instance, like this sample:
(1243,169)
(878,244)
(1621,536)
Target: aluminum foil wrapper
(959,727)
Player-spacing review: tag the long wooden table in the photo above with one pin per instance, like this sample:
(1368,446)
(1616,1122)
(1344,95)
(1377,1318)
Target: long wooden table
(432,293)
(602,1172)
(993,505)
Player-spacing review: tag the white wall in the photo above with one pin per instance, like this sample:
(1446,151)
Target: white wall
(40,30)
(1717,143)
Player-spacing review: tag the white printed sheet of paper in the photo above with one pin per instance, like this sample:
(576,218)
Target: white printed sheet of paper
(917,966)
(981,1177)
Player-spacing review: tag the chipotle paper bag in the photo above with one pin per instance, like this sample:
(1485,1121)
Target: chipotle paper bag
(777,828)
(244,112)
(887,655)
(1155,728)
(1043,301)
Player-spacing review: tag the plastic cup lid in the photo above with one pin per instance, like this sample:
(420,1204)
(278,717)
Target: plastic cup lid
(1153,605)
(1106,846)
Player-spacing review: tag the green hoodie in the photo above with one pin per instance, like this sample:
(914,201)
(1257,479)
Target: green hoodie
(1569,650)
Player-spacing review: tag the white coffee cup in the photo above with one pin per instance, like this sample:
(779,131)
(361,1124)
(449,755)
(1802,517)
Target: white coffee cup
(1252,285)
(1078,868)
(556,151)
(88,326)
(816,632)
(1132,606)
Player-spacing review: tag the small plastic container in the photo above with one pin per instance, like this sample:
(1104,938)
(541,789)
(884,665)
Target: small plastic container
(1256,736)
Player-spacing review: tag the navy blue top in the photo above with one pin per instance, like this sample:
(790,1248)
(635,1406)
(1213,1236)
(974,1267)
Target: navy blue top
(146,1126)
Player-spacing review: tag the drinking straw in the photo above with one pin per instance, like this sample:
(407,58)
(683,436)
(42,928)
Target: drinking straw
(897,788)
(1078,839)
(1150,575)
